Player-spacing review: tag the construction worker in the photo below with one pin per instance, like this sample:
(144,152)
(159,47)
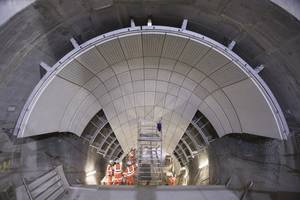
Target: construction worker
(118,173)
(172,180)
(109,172)
(129,172)
(131,155)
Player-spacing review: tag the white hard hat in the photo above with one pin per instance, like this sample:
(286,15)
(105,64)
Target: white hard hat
(129,163)
(111,161)
(117,161)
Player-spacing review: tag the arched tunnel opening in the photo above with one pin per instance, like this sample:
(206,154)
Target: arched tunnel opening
(75,94)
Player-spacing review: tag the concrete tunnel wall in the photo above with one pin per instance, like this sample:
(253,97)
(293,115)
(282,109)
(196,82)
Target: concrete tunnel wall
(265,34)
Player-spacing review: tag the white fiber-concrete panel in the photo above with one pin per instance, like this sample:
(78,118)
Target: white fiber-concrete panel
(106,74)
(90,113)
(163,75)
(139,86)
(227,107)
(126,127)
(183,123)
(49,109)
(158,112)
(115,93)
(136,63)
(182,68)
(209,85)
(180,106)
(170,102)
(161,86)
(200,92)
(131,114)
(109,111)
(124,78)
(120,67)
(160,99)
(215,107)
(150,85)
(252,109)
(119,105)
(105,99)
(139,99)
(129,101)
(151,74)
(127,88)
(177,78)
(140,111)
(189,111)
(92,84)
(114,122)
(207,112)
(100,91)
(137,74)
(149,98)
(149,112)
(196,75)
(80,112)
(184,94)
(189,84)
(173,89)
(122,117)
(72,108)
(167,64)
(111,83)
(194,100)
(175,118)
(151,62)
(167,114)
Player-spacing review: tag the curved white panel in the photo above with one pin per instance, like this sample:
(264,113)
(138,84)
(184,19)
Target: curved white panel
(152,74)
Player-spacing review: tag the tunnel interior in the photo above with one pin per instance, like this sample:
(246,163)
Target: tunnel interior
(79,109)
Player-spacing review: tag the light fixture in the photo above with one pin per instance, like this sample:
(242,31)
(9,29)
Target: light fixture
(91,173)
(203,164)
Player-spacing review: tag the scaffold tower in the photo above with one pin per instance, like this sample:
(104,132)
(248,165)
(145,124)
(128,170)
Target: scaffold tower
(149,152)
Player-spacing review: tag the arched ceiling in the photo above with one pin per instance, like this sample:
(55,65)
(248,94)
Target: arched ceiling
(153,72)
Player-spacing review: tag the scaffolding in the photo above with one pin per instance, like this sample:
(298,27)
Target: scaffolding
(149,152)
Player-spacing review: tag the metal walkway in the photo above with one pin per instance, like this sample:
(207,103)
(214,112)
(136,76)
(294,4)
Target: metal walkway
(149,153)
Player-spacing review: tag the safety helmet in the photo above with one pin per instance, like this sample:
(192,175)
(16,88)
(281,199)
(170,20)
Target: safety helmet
(131,149)
(117,161)
(111,161)
(129,163)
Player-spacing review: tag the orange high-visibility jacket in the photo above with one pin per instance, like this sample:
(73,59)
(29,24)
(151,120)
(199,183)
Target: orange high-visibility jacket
(109,170)
(118,171)
(129,172)
(131,154)
(172,181)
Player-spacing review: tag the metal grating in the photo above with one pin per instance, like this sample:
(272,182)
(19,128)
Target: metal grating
(193,52)
(132,45)
(76,73)
(173,46)
(92,60)
(211,62)
(111,51)
(228,75)
(152,44)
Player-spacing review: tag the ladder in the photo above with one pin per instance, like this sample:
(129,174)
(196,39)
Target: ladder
(149,152)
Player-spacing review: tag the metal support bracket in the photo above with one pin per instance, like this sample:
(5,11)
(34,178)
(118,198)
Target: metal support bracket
(45,66)
(246,191)
(184,24)
(132,24)
(231,45)
(258,68)
(74,43)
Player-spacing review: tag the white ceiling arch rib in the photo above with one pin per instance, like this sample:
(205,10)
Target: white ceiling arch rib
(161,72)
